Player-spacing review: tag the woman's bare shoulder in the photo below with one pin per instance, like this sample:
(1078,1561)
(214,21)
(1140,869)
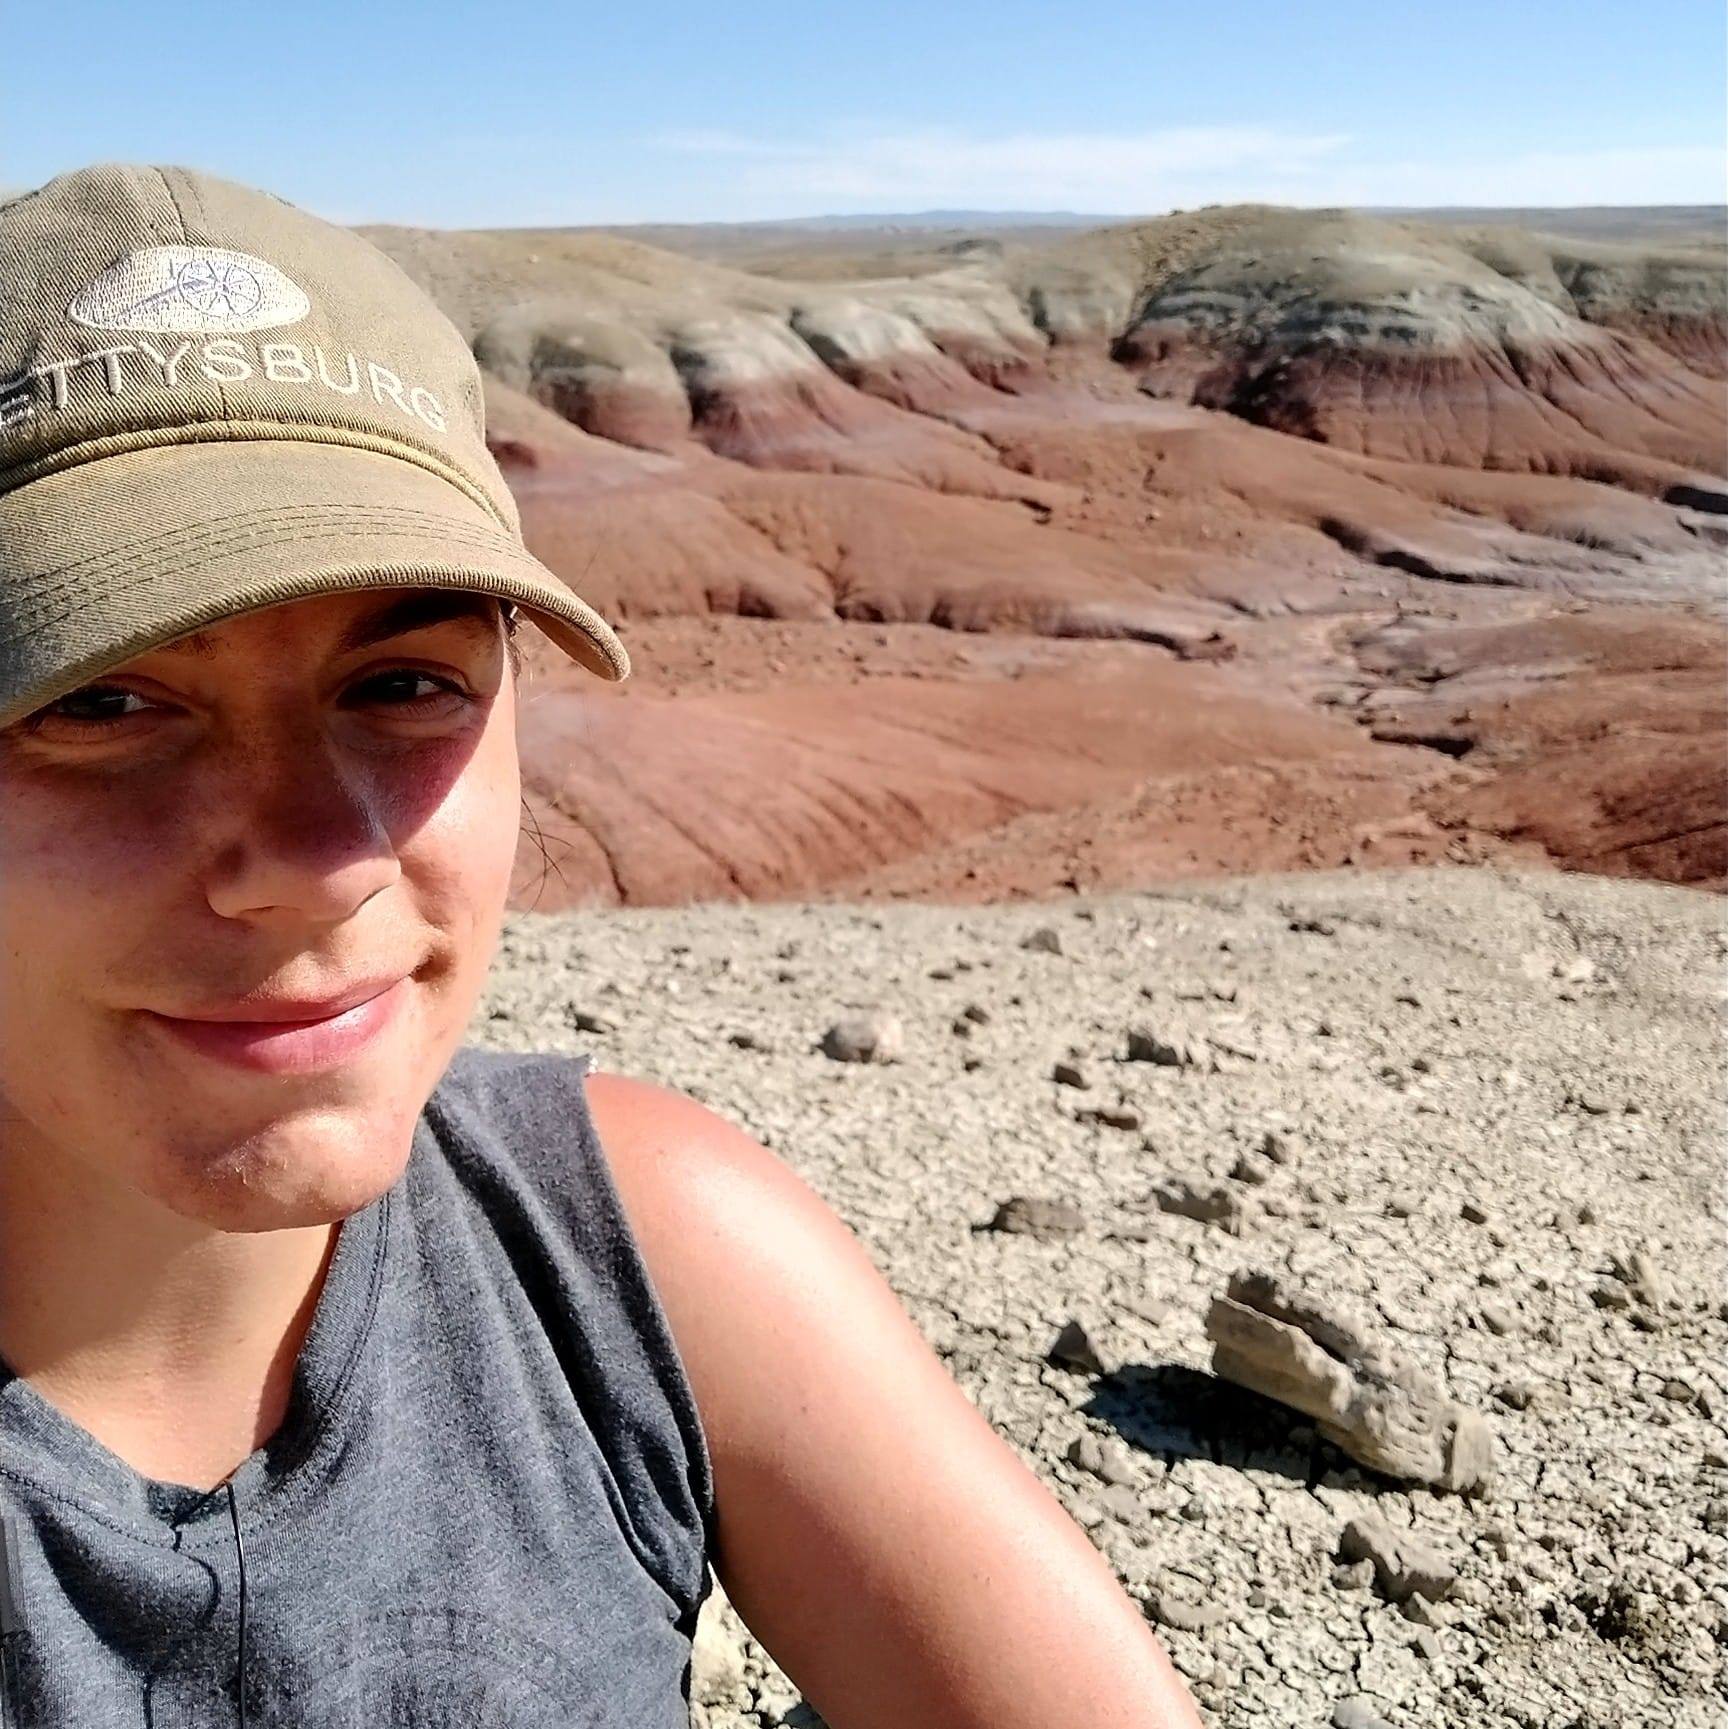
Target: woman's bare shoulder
(875,1533)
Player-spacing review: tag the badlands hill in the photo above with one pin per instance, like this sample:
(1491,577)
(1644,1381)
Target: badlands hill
(1245,538)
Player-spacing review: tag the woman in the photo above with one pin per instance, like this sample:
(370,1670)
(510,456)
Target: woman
(347,1377)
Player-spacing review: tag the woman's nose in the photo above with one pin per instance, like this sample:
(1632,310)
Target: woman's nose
(309,841)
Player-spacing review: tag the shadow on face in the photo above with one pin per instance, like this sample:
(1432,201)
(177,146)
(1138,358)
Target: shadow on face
(250,883)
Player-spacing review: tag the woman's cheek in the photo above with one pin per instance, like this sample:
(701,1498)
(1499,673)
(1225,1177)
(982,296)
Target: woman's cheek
(496,788)
(81,849)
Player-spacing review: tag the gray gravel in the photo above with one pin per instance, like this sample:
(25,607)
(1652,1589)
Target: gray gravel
(1485,1109)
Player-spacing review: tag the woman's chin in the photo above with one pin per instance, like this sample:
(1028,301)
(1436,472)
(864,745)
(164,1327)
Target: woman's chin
(298,1172)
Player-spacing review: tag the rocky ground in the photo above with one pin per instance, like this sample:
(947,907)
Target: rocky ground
(1478,1111)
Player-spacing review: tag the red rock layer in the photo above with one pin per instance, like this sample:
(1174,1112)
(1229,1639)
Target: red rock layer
(1698,342)
(623,413)
(1616,408)
(919,383)
(1600,736)
(786,793)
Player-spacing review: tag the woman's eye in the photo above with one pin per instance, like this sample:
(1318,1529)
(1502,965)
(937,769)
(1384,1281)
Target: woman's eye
(405,693)
(404,688)
(97,703)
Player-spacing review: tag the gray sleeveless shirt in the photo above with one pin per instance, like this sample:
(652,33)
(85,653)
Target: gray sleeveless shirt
(490,1502)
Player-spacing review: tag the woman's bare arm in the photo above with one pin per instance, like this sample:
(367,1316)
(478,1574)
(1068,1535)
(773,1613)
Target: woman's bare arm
(886,1545)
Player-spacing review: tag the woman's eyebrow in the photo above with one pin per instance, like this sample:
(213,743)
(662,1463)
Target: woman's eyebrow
(416,612)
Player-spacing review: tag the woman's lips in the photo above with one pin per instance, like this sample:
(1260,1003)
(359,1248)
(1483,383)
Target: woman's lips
(290,1046)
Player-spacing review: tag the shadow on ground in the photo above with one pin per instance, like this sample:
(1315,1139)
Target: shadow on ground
(1179,1412)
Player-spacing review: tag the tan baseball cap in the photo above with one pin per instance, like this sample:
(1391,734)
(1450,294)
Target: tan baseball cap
(212,401)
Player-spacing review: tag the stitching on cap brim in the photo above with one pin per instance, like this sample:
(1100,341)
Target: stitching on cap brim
(97,449)
(196,547)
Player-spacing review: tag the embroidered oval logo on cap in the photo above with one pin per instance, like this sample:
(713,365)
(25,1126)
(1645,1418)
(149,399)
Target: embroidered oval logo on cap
(185,289)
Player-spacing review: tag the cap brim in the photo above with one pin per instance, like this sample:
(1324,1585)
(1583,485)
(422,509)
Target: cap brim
(109,558)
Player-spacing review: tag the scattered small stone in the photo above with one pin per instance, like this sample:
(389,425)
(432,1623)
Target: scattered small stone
(1045,940)
(586,1021)
(1069,1075)
(1319,927)
(1357,1712)
(1517,1395)
(1104,1458)
(1184,1616)
(1405,1206)
(876,1037)
(1429,1644)
(1353,1575)
(1252,1169)
(1194,1662)
(1110,1116)
(1498,1319)
(1145,1046)
(976,1013)
(1073,1349)
(1404,1565)
(1473,1213)
(1645,1284)
(745,1041)
(1277,1146)
(1195,1198)
(1422,1613)
(1384,1411)
(1121,1502)
(1716,1518)
(1031,1215)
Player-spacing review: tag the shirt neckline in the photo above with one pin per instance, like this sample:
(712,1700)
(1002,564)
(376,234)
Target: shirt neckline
(44,1446)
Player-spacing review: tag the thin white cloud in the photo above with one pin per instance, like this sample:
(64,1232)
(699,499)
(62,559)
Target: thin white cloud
(1022,171)
(1165,169)
(1681,175)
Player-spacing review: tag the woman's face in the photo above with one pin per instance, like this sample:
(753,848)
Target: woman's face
(249,887)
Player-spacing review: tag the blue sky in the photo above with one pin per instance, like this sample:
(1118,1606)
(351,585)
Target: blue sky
(551,111)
